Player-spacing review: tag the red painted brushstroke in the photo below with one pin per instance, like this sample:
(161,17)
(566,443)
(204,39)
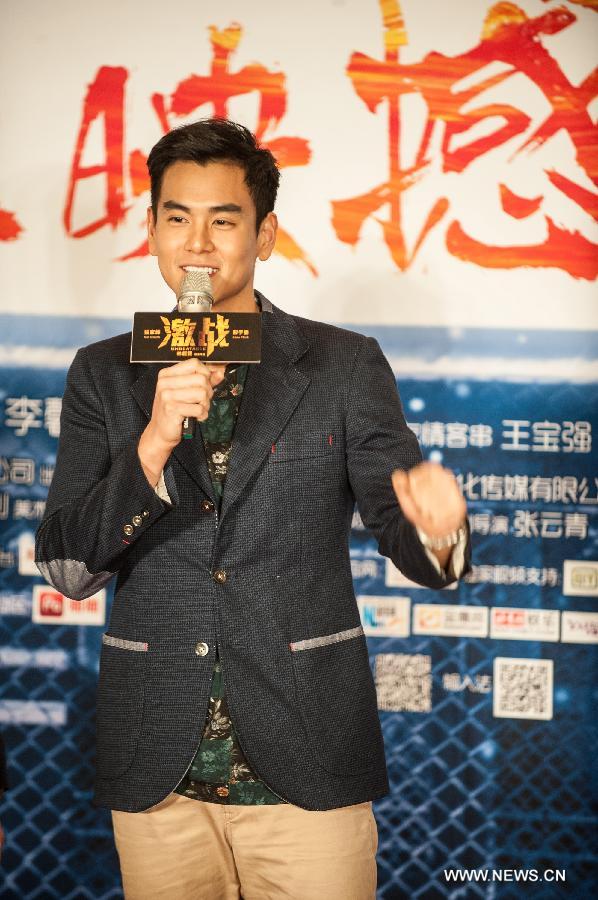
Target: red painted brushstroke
(288,247)
(214,90)
(104,98)
(289,151)
(140,180)
(508,36)
(581,196)
(518,207)
(562,249)
(139,252)
(589,4)
(10,228)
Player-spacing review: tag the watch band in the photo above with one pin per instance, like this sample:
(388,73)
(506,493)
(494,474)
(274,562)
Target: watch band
(442,543)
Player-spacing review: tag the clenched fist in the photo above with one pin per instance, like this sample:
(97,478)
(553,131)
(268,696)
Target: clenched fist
(431,500)
(182,390)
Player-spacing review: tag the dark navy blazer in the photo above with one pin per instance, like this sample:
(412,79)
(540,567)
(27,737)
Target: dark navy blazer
(268,580)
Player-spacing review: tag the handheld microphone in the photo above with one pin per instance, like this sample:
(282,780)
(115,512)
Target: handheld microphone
(194,331)
(195,295)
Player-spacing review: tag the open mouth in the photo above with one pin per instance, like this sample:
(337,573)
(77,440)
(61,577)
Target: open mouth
(207,269)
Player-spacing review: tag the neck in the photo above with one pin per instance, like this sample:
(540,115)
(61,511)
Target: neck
(246,303)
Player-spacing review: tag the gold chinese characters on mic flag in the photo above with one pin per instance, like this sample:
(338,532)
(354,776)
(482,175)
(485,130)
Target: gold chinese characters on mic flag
(213,337)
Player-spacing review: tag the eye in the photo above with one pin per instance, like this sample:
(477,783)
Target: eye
(222,223)
(177,220)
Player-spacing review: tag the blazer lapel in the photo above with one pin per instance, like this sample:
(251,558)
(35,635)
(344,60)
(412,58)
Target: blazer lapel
(273,389)
(190,453)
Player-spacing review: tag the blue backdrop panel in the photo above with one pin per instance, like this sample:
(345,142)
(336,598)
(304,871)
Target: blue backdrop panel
(473,786)
(470,790)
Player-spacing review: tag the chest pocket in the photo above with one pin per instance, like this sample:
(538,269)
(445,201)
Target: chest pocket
(315,445)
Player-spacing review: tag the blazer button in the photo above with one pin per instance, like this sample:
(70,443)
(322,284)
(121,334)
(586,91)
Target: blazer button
(128,530)
(201,649)
(137,520)
(207,506)
(219,576)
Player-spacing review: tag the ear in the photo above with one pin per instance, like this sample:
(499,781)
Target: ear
(266,237)
(151,232)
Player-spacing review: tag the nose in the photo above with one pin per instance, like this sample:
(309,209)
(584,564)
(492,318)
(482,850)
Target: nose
(198,239)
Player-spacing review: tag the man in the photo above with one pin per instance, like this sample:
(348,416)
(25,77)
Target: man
(238,740)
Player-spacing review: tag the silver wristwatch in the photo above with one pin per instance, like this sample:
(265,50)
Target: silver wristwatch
(442,543)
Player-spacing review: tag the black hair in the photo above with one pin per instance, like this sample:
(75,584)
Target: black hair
(218,140)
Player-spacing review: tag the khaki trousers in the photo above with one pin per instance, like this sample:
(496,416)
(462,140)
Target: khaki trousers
(184,849)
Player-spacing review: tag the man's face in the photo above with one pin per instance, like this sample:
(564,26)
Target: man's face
(206,218)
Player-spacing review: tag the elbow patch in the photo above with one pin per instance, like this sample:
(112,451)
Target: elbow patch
(72,578)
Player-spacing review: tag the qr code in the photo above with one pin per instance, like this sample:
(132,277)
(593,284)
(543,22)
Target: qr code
(522,688)
(404,682)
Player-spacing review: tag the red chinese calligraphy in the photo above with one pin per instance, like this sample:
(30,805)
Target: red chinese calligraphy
(106,97)
(10,228)
(512,39)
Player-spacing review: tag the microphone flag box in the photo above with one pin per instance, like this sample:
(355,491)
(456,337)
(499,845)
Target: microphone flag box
(208,336)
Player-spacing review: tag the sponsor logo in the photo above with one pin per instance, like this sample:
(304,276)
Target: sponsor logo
(580,578)
(579,628)
(395,578)
(450,620)
(31,712)
(385,616)
(15,605)
(26,545)
(21,657)
(364,567)
(522,688)
(54,608)
(510,623)
(51,603)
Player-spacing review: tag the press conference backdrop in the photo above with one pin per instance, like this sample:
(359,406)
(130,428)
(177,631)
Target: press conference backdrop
(438,192)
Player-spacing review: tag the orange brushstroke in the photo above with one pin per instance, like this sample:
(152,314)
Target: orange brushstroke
(141,250)
(508,36)
(220,84)
(10,228)
(140,180)
(581,196)
(104,98)
(395,35)
(289,151)
(562,249)
(288,247)
(499,16)
(518,207)
(348,216)
(589,4)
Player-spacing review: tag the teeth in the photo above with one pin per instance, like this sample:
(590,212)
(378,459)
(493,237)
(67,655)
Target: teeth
(199,269)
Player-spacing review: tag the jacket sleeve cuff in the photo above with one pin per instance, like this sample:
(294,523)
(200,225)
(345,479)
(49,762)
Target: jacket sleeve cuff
(161,489)
(456,564)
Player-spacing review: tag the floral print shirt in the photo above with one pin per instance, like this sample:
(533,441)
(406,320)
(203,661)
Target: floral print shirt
(220,773)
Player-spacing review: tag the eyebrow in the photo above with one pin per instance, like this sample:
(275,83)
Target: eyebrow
(223,208)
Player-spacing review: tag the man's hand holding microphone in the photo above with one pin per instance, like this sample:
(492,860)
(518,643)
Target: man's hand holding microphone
(183,391)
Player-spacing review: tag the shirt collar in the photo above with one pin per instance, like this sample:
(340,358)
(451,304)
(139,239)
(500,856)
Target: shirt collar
(263,302)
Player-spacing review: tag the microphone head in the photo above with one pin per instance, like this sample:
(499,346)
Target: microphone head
(195,294)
